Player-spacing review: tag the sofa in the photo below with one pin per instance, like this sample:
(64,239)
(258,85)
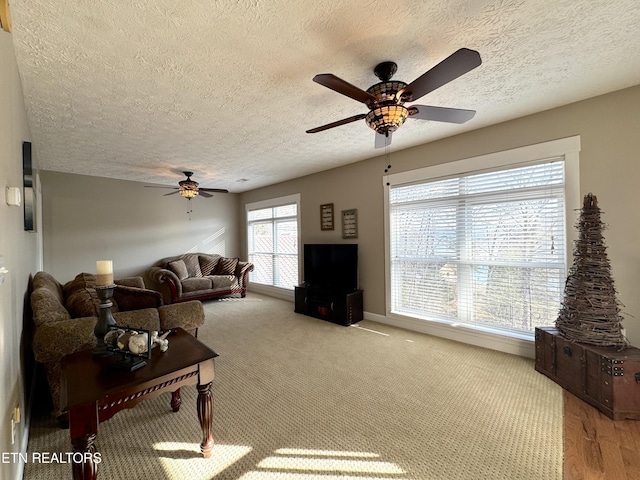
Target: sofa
(200,276)
(64,317)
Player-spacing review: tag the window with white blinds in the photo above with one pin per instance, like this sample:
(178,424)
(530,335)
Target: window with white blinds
(485,249)
(272,241)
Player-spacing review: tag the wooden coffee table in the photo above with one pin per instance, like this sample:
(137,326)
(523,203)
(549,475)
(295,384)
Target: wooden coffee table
(92,390)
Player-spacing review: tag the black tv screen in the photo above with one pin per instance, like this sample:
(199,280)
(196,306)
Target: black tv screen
(331,266)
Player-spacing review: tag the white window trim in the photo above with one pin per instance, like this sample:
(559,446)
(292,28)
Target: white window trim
(569,148)
(270,290)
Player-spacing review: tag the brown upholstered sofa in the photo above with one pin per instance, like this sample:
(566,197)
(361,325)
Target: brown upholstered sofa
(64,317)
(200,276)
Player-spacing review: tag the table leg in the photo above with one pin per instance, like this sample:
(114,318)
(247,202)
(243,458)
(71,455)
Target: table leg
(205,415)
(176,400)
(83,429)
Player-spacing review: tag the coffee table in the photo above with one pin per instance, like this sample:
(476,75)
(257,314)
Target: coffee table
(92,390)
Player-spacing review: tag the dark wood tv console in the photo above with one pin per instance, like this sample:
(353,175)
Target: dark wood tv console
(341,308)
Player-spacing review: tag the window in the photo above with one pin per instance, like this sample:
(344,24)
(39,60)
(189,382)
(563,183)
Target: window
(272,240)
(485,249)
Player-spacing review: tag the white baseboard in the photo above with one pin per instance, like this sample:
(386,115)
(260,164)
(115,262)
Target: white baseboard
(514,346)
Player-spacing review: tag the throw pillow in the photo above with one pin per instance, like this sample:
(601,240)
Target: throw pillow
(132,298)
(179,268)
(81,298)
(227,266)
(83,303)
(82,280)
(207,264)
(193,267)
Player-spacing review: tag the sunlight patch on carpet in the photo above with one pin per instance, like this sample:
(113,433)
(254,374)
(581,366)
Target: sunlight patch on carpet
(325,453)
(369,330)
(330,465)
(238,299)
(306,476)
(193,466)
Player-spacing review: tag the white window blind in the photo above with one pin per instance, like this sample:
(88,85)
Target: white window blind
(272,239)
(486,249)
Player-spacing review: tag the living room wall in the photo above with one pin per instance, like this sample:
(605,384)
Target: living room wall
(609,167)
(91,218)
(20,252)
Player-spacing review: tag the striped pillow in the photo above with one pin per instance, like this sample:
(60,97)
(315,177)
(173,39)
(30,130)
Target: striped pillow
(193,266)
(207,264)
(227,266)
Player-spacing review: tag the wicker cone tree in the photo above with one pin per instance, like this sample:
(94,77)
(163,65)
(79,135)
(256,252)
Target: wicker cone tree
(590,311)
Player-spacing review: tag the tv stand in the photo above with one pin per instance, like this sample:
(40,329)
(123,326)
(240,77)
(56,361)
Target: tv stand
(343,308)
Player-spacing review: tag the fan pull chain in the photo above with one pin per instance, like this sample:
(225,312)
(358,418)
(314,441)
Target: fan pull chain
(189,208)
(387,154)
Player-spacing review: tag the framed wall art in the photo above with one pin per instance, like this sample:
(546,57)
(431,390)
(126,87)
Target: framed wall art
(326,216)
(350,223)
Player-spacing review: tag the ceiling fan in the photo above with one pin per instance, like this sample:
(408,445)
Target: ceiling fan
(189,188)
(386,100)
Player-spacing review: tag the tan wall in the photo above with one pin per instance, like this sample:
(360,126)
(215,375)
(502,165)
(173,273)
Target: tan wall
(91,218)
(21,257)
(609,166)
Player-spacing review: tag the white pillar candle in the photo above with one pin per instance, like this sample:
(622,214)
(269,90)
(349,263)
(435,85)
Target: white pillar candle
(104,272)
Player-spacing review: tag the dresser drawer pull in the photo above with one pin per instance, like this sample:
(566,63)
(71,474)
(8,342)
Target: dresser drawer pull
(567,351)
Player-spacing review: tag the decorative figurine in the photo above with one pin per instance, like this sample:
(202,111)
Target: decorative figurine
(111,338)
(138,343)
(161,341)
(123,340)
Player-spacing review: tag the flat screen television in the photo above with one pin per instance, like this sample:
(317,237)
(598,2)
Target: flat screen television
(331,266)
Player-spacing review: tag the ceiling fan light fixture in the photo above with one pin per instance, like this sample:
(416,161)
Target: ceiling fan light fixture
(386,118)
(188,193)
(386,90)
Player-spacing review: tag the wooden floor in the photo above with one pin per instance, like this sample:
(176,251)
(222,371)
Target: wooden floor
(596,447)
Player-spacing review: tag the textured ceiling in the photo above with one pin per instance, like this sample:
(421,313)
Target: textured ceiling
(143,89)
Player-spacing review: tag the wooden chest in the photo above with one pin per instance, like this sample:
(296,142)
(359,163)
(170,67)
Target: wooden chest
(606,378)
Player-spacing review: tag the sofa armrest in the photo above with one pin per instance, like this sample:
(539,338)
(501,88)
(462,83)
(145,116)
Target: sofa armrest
(134,298)
(162,276)
(242,272)
(137,282)
(54,340)
(188,315)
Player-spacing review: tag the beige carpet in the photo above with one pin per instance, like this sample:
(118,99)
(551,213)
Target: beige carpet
(298,398)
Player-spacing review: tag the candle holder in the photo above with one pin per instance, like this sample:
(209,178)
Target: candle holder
(105,320)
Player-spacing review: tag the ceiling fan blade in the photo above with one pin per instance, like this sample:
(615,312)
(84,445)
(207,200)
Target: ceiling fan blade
(344,121)
(382,140)
(441,114)
(452,67)
(158,186)
(345,88)
(204,194)
(172,193)
(216,190)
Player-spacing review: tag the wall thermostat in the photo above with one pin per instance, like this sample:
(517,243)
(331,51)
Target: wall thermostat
(13,196)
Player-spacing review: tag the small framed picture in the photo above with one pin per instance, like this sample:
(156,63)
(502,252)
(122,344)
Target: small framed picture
(326,216)
(350,223)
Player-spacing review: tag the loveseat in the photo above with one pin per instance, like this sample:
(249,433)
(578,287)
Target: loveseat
(200,276)
(64,317)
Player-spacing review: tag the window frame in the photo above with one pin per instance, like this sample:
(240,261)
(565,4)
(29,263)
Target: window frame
(271,203)
(567,148)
